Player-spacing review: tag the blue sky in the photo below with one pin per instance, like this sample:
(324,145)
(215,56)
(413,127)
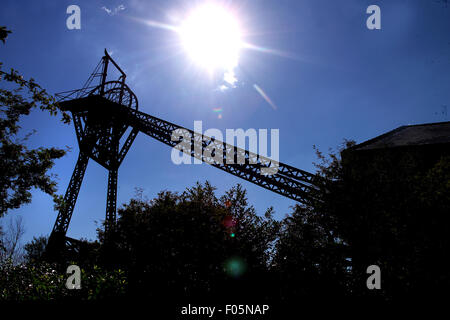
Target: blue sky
(335,79)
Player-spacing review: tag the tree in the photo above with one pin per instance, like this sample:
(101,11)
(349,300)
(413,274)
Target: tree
(310,259)
(21,168)
(35,249)
(192,244)
(11,248)
(388,207)
(44,283)
(4,33)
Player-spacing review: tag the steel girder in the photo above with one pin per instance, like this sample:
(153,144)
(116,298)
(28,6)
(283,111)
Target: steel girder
(56,242)
(111,200)
(286,180)
(70,198)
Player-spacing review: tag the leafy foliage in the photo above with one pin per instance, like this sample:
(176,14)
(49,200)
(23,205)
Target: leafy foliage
(197,245)
(22,168)
(4,33)
(182,244)
(35,249)
(10,241)
(311,260)
(30,282)
(388,207)
(46,282)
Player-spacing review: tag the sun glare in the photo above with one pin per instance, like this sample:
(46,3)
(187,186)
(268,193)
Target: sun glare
(211,37)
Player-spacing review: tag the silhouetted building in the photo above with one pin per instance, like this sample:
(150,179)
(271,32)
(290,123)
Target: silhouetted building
(394,198)
(426,143)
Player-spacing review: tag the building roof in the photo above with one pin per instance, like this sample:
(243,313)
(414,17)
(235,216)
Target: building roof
(412,135)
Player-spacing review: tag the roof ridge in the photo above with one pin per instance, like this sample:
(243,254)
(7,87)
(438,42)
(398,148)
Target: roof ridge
(393,131)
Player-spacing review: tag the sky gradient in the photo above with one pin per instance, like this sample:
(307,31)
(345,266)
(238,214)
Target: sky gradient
(329,77)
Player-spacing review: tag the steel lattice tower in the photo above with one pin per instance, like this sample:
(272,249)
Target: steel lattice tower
(103,112)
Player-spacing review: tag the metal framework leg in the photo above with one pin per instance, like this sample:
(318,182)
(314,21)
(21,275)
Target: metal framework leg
(111,200)
(57,237)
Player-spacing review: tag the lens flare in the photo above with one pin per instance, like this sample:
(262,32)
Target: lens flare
(265,96)
(229,222)
(235,267)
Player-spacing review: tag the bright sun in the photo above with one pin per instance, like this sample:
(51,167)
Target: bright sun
(211,37)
